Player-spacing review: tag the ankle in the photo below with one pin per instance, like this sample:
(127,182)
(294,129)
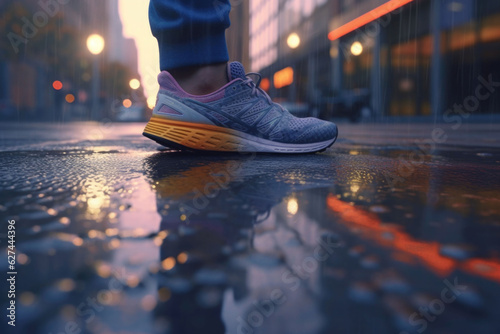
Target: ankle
(201,80)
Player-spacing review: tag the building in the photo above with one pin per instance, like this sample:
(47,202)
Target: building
(44,41)
(237,36)
(131,57)
(46,44)
(120,49)
(288,46)
(406,57)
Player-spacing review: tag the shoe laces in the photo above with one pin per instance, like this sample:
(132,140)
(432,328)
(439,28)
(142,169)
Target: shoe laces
(256,90)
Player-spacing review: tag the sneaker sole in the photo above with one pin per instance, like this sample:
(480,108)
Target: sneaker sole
(203,137)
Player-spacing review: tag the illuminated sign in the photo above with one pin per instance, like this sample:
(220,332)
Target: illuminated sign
(372,15)
(265,84)
(283,78)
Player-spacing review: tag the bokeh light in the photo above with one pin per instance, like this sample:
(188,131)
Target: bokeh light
(293,40)
(292,206)
(356,48)
(70,98)
(182,257)
(57,85)
(134,84)
(95,44)
(168,263)
(151,102)
(127,103)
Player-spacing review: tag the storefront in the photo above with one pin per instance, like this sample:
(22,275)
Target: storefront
(420,59)
(424,58)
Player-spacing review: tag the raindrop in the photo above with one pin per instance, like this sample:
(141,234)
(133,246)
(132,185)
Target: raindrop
(379,208)
(207,276)
(148,302)
(27,298)
(458,252)
(66,285)
(370,262)
(362,293)
(209,297)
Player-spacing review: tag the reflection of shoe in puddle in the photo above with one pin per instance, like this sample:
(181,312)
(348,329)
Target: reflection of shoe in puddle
(235,190)
(231,185)
(209,206)
(203,219)
(192,182)
(192,190)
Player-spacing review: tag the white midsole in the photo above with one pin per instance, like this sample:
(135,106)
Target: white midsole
(251,143)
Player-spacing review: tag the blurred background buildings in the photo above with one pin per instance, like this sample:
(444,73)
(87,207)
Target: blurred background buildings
(419,60)
(371,60)
(46,68)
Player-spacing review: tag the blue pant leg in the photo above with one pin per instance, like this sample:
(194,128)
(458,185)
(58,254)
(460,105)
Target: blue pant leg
(190,32)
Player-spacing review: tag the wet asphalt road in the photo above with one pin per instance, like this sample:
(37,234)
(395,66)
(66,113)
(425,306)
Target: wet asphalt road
(386,232)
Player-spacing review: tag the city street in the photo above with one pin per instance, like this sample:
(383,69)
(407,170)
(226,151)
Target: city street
(394,229)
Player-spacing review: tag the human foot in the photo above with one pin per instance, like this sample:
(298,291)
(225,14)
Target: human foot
(201,80)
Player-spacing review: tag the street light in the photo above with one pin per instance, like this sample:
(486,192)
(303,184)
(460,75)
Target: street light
(356,48)
(134,84)
(95,44)
(293,41)
(57,85)
(127,103)
(151,101)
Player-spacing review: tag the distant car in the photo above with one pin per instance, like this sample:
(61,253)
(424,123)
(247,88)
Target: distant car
(352,104)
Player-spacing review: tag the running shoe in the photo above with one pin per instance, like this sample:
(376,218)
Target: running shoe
(239,117)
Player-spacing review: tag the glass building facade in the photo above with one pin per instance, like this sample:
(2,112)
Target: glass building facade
(420,60)
(271,20)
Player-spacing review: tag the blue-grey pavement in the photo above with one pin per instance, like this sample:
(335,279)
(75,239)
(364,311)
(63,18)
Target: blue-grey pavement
(394,229)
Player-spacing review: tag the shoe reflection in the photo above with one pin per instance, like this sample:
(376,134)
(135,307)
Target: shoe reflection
(208,212)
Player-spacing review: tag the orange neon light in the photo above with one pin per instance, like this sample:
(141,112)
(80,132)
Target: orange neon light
(283,78)
(372,15)
(265,84)
(406,247)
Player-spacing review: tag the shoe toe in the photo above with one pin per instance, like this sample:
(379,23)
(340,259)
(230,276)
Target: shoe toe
(319,132)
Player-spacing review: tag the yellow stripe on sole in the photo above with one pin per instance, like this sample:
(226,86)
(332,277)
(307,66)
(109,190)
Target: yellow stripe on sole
(194,135)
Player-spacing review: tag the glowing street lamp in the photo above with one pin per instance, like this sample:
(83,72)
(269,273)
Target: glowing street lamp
(57,85)
(292,206)
(70,98)
(134,84)
(293,41)
(356,48)
(95,44)
(151,101)
(127,103)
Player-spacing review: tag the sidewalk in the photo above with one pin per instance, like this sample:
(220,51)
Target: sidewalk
(358,239)
(466,135)
(441,134)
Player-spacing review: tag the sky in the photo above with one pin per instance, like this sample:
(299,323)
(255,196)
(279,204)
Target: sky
(134,16)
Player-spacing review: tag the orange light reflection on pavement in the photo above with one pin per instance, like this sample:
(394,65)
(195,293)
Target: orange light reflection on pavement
(372,15)
(406,246)
(486,268)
